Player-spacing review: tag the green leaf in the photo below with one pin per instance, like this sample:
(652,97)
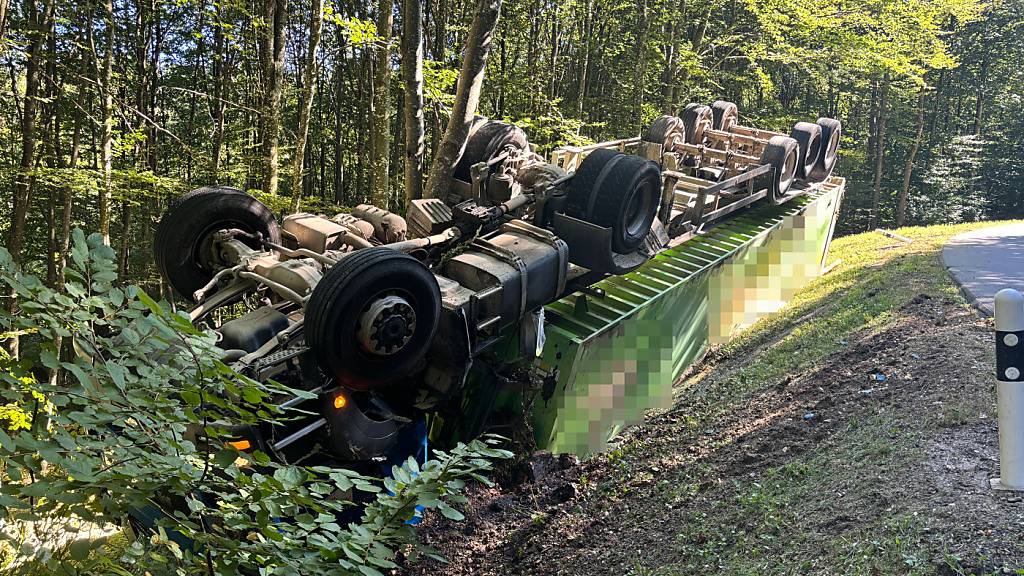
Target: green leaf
(79,249)
(290,476)
(116,372)
(6,442)
(252,395)
(80,374)
(49,359)
(80,549)
(412,465)
(225,457)
(149,302)
(190,397)
(450,513)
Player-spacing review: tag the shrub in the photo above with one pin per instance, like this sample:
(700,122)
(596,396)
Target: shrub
(119,406)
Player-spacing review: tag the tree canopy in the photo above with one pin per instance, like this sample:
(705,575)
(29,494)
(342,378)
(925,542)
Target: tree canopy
(113,107)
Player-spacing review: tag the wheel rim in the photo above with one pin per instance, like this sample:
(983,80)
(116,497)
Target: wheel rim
(728,120)
(636,214)
(833,145)
(790,167)
(813,150)
(387,324)
(703,123)
(788,172)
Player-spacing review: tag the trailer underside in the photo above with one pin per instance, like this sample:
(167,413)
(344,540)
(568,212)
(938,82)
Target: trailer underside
(614,351)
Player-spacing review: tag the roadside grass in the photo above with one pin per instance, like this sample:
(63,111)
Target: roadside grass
(768,521)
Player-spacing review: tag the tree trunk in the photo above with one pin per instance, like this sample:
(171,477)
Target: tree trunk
(554,54)
(440,31)
(126,228)
(364,97)
(4,4)
(908,168)
(107,99)
(532,54)
(933,120)
(668,105)
(581,91)
(40,23)
(980,98)
(276,14)
(876,190)
(380,132)
(412,72)
(339,157)
(23,180)
(640,71)
(872,124)
(217,104)
(309,79)
(467,97)
(53,149)
(67,194)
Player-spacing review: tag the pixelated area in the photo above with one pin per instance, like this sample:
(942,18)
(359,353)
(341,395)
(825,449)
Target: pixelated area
(761,280)
(617,356)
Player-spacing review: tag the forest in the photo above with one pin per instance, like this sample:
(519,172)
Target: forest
(112,108)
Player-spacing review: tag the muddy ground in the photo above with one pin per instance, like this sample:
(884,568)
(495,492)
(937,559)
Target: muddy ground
(853,433)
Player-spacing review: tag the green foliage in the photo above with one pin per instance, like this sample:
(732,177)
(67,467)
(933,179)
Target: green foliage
(281,205)
(127,404)
(439,83)
(550,132)
(898,38)
(571,72)
(359,32)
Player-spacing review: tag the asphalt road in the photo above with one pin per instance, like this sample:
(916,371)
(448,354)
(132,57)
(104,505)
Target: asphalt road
(985,261)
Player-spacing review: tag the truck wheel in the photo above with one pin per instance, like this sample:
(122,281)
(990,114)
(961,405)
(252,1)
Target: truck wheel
(617,191)
(782,155)
(697,120)
(808,137)
(489,140)
(665,130)
(724,115)
(372,317)
(831,132)
(182,246)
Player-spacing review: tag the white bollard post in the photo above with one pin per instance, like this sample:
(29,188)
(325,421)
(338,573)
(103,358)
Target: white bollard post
(1009,316)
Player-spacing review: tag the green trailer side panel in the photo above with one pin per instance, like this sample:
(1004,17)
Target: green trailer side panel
(609,359)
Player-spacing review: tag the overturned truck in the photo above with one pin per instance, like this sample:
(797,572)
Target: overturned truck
(387,318)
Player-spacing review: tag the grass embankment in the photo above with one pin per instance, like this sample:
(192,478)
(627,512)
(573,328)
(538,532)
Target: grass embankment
(771,520)
(852,433)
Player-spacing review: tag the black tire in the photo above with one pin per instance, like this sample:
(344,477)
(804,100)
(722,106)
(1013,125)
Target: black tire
(342,296)
(617,191)
(691,105)
(696,119)
(782,154)
(185,230)
(724,114)
(808,137)
(831,133)
(665,130)
(486,142)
